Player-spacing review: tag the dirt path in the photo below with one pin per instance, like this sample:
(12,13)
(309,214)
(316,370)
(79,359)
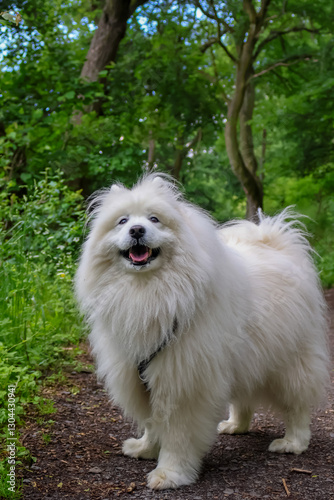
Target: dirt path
(83,460)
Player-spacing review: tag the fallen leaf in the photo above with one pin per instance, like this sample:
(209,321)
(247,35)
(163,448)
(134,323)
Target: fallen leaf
(131,487)
(95,470)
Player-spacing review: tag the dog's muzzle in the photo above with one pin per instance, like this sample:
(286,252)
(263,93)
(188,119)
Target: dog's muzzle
(140,255)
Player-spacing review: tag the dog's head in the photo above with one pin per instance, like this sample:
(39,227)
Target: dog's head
(147,248)
(137,229)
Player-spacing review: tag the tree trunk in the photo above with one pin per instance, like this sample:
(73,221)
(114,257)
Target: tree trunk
(242,158)
(151,151)
(246,134)
(179,157)
(255,196)
(107,37)
(111,29)
(249,181)
(181,152)
(240,108)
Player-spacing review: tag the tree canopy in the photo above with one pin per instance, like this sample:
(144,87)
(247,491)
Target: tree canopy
(202,89)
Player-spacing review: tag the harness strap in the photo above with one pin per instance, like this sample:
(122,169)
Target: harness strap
(142,366)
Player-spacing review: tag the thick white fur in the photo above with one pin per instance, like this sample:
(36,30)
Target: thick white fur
(250,316)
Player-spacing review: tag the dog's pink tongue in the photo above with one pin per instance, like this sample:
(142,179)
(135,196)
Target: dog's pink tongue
(140,256)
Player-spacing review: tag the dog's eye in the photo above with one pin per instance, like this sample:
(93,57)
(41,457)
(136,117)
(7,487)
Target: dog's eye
(154,219)
(123,221)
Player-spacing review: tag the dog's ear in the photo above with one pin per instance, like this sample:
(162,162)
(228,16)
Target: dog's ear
(166,184)
(158,180)
(115,188)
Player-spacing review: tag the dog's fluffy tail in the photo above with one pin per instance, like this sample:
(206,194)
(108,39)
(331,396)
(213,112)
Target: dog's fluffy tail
(284,232)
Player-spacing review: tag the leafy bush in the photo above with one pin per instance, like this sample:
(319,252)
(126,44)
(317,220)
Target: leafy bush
(48,219)
(39,240)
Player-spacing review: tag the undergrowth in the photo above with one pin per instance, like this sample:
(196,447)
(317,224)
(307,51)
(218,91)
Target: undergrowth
(39,240)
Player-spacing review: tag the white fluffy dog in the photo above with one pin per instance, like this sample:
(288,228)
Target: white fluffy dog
(187,318)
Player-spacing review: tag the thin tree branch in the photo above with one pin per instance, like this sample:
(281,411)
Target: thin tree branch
(205,12)
(192,143)
(271,18)
(214,40)
(228,53)
(214,16)
(275,34)
(283,62)
(220,19)
(220,33)
(217,39)
(208,44)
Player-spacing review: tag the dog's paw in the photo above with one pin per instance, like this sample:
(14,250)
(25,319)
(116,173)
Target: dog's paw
(288,446)
(162,479)
(230,427)
(139,448)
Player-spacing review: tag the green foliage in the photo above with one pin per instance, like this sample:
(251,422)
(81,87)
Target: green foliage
(213,188)
(164,88)
(39,241)
(40,90)
(37,259)
(46,222)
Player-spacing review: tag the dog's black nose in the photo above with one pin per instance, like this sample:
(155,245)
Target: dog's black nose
(137,232)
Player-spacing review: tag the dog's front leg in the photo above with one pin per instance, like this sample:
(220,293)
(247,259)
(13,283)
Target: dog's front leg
(184,438)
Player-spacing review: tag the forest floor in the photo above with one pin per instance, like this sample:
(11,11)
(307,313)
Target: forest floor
(78,456)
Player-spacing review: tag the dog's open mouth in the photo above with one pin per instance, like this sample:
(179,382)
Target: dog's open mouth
(140,255)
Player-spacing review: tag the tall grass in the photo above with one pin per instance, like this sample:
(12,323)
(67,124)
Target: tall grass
(39,241)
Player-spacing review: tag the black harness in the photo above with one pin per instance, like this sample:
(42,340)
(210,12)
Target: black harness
(142,366)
